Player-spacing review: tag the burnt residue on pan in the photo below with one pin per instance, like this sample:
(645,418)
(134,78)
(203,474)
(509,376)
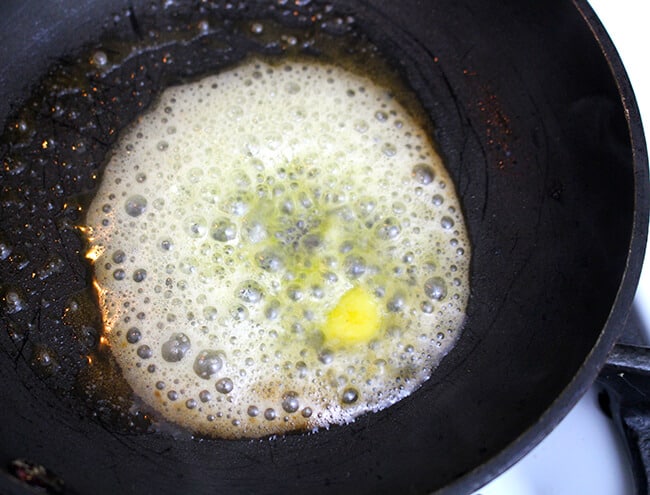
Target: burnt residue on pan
(55,143)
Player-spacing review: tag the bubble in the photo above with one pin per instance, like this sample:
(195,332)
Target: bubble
(399,208)
(135,205)
(305,201)
(446,223)
(250,292)
(139,275)
(187,266)
(294,292)
(223,230)
(172,395)
(144,351)
(255,232)
(210,313)
(306,412)
(174,349)
(435,288)
(252,411)
(437,199)
(269,414)
(208,363)
(366,206)
(196,226)
(119,256)
(346,247)
(312,241)
(224,386)
(355,266)
(190,403)
(195,175)
(133,335)
(252,146)
(389,149)
(381,116)
(326,356)
(269,260)
(257,28)
(119,274)
(301,367)
(239,313)
(237,206)
(396,303)
(389,229)
(287,207)
(349,396)
(100,59)
(272,310)
(423,174)
(205,396)
(203,26)
(13,302)
(5,250)
(361,126)
(290,402)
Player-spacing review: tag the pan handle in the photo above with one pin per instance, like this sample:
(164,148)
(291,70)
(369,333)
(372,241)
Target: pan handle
(626,382)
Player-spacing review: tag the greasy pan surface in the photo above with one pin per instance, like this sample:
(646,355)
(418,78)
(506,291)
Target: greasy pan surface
(553,179)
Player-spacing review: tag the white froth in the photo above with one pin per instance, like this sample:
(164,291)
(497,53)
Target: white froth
(234,216)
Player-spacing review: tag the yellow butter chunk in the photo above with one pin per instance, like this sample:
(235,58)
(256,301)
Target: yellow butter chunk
(355,318)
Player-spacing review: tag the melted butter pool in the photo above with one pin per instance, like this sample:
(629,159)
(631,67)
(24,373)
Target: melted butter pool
(277,247)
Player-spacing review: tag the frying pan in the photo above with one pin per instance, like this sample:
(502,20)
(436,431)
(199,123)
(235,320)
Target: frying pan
(540,132)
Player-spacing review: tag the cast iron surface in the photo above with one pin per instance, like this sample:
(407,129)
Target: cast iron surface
(540,132)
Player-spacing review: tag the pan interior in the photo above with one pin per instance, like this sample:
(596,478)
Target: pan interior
(537,147)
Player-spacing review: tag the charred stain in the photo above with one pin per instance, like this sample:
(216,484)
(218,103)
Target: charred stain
(498,132)
(495,122)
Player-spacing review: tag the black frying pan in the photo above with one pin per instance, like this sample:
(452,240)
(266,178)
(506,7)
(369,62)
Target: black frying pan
(541,134)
